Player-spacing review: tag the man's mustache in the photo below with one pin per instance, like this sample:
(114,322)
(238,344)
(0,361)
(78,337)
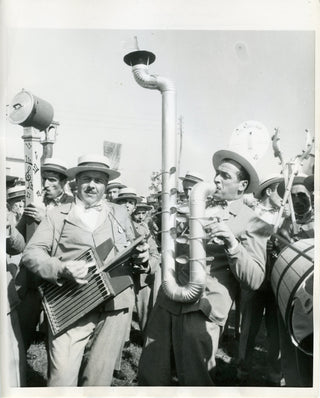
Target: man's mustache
(90,190)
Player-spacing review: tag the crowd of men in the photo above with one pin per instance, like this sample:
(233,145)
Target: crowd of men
(88,207)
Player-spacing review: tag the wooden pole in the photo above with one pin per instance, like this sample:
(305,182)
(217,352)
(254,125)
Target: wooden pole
(32,159)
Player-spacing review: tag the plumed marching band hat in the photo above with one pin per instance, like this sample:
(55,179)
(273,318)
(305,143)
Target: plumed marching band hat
(56,165)
(298,180)
(127,194)
(116,183)
(246,163)
(18,191)
(93,163)
(271,179)
(192,176)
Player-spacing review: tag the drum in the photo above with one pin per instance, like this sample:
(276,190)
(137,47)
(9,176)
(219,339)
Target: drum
(292,284)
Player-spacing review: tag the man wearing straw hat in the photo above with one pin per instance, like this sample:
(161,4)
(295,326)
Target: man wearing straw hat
(62,237)
(190,179)
(237,242)
(54,178)
(113,189)
(16,202)
(128,198)
(261,302)
(147,285)
(15,244)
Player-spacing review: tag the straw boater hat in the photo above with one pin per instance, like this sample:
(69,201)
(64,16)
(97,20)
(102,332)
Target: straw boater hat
(243,161)
(56,165)
(192,176)
(272,179)
(143,205)
(127,194)
(116,183)
(19,191)
(298,180)
(93,163)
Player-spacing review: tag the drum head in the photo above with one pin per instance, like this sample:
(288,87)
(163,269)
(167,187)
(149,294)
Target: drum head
(301,317)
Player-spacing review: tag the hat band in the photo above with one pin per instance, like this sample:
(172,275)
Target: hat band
(54,166)
(128,195)
(94,164)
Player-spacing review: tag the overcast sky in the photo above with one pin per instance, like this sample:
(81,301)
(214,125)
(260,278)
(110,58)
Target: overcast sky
(223,78)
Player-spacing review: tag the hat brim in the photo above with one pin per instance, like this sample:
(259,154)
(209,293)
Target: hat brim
(112,186)
(265,184)
(190,179)
(11,178)
(226,154)
(73,171)
(17,196)
(56,169)
(143,207)
(125,197)
(298,180)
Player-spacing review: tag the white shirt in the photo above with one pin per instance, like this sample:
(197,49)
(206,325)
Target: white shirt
(91,217)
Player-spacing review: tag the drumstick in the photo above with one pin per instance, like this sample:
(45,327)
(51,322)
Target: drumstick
(293,247)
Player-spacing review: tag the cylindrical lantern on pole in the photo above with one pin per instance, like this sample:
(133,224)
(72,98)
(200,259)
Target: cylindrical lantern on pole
(27,110)
(34,115)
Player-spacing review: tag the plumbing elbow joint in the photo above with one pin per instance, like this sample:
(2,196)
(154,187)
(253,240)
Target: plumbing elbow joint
(153,82)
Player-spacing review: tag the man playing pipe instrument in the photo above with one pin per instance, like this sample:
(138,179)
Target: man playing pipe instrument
(67,232)
(187,334)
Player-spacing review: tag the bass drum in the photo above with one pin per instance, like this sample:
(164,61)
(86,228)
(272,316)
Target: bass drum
(292,284)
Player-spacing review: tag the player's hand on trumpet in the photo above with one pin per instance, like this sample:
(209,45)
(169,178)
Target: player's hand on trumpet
(76,271)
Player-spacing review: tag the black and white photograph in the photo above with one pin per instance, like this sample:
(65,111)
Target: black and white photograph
(161,199)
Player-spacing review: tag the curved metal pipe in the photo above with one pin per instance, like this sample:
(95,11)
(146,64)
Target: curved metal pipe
(169,179)
(197,261)
(195,287)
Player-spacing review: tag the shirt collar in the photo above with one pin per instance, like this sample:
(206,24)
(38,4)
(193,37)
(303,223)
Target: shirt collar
(56,201)
(98,205)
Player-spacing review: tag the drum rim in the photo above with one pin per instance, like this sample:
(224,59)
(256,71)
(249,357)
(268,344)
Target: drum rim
(289,314)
